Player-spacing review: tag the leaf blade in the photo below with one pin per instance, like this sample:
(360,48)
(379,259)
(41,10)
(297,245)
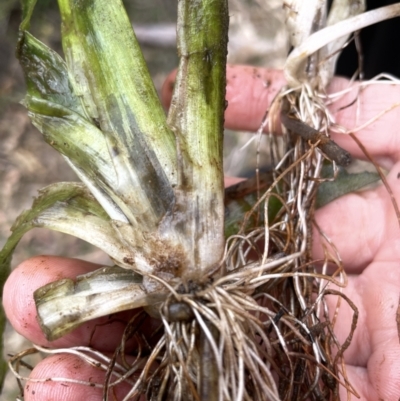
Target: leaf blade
(344,184)
(109,73)
(69,208)
(65,304)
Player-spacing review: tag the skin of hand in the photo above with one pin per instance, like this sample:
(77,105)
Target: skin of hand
(363,227)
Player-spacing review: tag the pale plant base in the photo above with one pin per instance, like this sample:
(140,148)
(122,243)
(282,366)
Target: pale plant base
(258,327)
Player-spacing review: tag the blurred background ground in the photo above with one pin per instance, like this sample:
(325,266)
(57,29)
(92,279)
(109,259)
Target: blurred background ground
(27,163)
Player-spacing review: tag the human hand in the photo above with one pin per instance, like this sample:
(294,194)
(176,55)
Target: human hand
(363,227)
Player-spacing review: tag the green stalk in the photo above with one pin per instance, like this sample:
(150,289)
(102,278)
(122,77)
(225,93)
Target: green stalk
(196,117)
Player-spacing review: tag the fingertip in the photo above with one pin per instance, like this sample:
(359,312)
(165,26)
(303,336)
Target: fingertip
(30,275)
(103,333)
(168,89)
(249,92)
(69,367)
(229,181)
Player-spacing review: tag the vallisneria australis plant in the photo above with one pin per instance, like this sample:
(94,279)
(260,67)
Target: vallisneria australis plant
(240,300)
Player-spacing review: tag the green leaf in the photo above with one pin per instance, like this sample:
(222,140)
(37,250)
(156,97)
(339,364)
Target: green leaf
(109,73)
(46,74)
(87,151)
(27,10)
(240,198)
(138,194)
(344,184)
(77,196)
(69,208)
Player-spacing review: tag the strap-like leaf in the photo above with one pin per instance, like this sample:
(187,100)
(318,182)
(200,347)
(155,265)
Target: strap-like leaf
(86,149)
(69,208)
(27,10)
(46,74)
(65,304)
(140,195)
(58,195)
(240,198)
(344,184)
(109,73)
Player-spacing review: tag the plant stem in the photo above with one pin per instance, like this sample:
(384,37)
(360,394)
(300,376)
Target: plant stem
(196,117)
